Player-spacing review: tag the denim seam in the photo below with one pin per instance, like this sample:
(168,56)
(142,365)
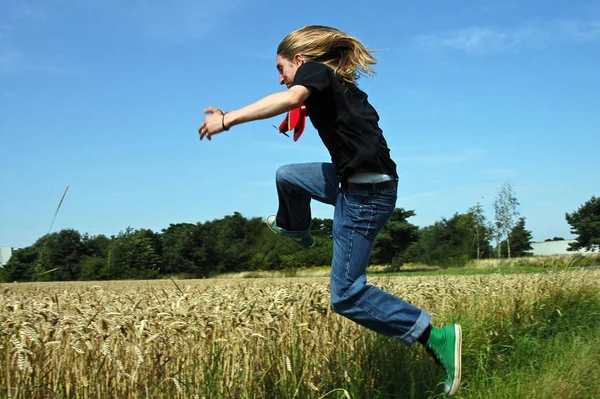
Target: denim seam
(373,209)
(348,266)
(350,244)
(406,336)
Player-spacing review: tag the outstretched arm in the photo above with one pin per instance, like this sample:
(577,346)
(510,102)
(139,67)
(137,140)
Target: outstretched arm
(216,121)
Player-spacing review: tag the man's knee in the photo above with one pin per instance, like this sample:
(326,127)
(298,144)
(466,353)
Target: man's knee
(285,174)
(345,292)
(340,301)
(338,304)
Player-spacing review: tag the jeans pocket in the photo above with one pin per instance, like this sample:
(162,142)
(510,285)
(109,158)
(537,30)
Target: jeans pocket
(385,200)
(355,200)
(368,212)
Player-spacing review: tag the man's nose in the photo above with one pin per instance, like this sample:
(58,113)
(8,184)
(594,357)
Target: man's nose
(281,79)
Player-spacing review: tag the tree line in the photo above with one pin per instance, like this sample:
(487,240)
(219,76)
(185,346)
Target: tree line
(235,243)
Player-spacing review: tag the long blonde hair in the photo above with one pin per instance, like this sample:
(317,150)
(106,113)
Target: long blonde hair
(346,55)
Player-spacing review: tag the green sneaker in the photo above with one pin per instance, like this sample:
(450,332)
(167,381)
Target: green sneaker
(306,242)
(445,344)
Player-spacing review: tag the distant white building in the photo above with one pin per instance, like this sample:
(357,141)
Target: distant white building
(5,254)
(553,248)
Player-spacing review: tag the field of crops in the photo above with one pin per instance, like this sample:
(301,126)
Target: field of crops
(248,338)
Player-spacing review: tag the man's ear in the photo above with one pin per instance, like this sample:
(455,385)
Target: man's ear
(298,59)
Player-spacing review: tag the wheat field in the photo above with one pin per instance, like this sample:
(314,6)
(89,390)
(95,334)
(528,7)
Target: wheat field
(248,338)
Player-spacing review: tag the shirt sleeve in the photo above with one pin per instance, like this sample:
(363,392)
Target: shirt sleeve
(314,75)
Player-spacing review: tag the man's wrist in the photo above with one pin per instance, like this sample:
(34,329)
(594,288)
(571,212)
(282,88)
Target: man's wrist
(223,122)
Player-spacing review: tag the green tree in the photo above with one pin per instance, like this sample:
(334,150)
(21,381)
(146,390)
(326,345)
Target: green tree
(520,239)
(60,256)
(481,231)
(395,237)
(506,214)
(585,223)
(96,245)
(132,255)
(321,227)
(96,256)
(21,265)
(233,243)
(91,268)
(448,242)
(182,249)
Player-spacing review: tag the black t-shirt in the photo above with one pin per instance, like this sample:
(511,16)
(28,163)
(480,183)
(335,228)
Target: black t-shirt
(346,122)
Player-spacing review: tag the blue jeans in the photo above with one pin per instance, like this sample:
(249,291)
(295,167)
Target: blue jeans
(359,216)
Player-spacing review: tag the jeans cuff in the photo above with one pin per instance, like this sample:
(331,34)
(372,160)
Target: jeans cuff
(294,234)
(417,329)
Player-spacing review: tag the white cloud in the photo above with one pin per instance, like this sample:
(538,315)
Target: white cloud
(180,21)
(470,40)
(578,32)
(176,22)
(492,40)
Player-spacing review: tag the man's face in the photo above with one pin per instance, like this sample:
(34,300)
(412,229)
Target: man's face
(287,69)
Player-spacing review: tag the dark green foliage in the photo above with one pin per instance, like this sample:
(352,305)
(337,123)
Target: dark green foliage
(20,266)
(133,254)
(520,239)
(183,251)
(91,268)
(585,222)
(233,244)
(395,237)
(321,227)
(449,242)
(59,256)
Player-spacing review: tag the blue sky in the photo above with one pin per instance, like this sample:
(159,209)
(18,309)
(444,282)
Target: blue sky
(106,96)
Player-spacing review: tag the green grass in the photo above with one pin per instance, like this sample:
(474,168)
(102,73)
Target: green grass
(528,264)
(564,366)
(548,349)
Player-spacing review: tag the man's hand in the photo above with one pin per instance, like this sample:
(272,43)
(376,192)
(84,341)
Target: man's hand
(213,123)
(274,104)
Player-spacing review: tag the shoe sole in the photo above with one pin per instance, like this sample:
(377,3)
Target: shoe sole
(457,360)
(282,234)
(271,227)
